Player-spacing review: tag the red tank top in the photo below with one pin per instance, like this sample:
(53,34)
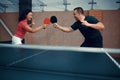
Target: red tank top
(20,31)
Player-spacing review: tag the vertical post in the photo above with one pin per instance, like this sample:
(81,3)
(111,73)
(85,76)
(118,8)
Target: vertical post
(43,5)
(118,2)
(92,4)
(66,3)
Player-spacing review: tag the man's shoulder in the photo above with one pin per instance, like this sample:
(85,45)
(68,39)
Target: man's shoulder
(88,17)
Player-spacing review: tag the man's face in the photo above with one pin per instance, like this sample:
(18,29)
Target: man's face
(76,15)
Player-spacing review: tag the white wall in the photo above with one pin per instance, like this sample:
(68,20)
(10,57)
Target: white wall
(57,5)
(12,5)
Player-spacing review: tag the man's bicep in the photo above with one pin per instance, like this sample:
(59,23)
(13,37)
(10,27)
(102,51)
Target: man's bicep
(75,26)
(67,29)
(71,29)
(94,20)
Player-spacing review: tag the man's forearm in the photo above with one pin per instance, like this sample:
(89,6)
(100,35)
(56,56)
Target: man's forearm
(98,26)
(64,29)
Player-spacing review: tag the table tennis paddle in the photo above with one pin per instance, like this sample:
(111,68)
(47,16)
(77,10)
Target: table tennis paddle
(46,21)
(53,19)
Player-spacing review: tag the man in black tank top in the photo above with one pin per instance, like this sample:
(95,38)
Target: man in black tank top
(89,26)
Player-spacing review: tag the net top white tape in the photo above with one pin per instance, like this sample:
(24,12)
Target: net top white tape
(65,48)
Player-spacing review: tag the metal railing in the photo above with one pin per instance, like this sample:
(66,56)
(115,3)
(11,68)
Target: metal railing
(6,28)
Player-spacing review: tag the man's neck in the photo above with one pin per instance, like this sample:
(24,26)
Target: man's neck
(82,18)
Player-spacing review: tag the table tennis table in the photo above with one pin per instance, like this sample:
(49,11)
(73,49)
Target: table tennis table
(43,62)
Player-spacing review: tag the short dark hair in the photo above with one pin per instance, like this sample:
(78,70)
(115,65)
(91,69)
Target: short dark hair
(79,10)
(24,14)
